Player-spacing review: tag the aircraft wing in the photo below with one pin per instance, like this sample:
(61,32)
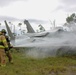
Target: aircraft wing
(41,34)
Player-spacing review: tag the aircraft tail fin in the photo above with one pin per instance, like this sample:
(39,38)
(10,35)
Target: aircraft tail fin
(9,31)
(29,27)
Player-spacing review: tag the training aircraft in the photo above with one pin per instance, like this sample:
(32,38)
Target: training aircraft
(30,31)
(30,35)
(53,43)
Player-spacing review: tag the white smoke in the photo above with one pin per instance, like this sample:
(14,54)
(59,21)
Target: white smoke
(49,45)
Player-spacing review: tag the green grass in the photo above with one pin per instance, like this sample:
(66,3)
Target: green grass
(45,66)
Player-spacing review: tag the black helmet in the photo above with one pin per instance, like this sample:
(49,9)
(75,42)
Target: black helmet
(3,31)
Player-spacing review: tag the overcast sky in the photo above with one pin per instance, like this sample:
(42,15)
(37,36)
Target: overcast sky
(37,11)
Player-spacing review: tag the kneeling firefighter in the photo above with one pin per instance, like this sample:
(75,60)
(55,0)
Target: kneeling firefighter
(9,45)
(3,47)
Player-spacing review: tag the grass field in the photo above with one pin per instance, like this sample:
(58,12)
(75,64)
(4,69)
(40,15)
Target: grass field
(45,66)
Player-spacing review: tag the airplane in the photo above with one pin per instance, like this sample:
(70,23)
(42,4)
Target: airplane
(30,31)
(54,43)
(30,35)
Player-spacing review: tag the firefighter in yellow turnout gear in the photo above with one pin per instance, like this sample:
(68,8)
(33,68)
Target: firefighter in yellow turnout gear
(3,47)
(8,54)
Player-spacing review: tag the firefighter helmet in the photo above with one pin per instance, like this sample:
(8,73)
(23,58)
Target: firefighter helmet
(3,31)
(0,33)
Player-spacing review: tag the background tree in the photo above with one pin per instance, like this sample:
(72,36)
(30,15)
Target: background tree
(23,32)
(71,22)
(41,28)
(0,24)
(19,24)
(71,18)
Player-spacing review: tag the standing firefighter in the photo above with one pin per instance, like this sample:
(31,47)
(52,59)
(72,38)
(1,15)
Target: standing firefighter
(9,45)
(3,47)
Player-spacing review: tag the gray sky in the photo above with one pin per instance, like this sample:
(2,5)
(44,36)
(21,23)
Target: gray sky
(4,3)
(67,6)
(38,11)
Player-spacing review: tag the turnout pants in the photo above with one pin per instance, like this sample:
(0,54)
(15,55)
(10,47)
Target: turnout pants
(8,54)
(2,57)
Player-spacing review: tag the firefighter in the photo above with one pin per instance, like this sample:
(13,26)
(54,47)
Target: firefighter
(8,54)
(3,47)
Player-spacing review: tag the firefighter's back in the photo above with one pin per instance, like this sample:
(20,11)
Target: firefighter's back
(3,41)
(3,46)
